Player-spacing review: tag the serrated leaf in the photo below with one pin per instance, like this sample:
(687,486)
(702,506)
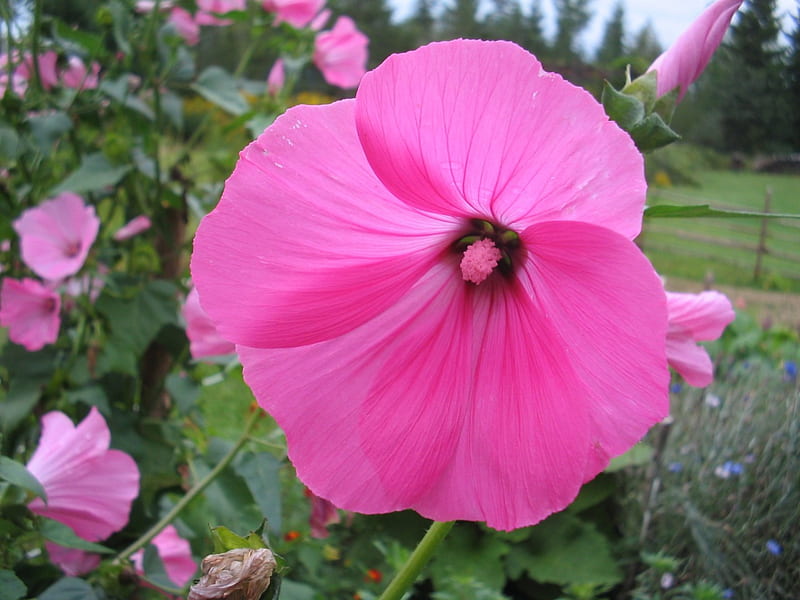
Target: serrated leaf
(704,210)
(64,536)
(69,588)
(218,86)
(17,474)
(624,109)
(94,173)
(11,586)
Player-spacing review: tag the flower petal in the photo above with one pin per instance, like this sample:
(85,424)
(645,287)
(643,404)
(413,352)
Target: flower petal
(442,128)
(702,316)
(381,406)
(308,238)
(690,360)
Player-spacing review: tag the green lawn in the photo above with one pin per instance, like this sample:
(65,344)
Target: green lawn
(726,248)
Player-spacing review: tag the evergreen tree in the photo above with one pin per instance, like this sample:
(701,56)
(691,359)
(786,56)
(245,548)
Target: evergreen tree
(644,49)
(572,17)
(612,47)
(753,99)
(792,77)
(461,20)
(374,18)
(423,22)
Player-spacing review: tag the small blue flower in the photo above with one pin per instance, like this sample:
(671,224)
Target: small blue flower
(735,468)
(774,547)
(675,467)
(790,370)
(676,387)
(727,593)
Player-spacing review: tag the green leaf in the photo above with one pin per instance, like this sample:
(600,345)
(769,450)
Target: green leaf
(704,210)
(224,539)
(69,588)
(64,536)
(118,90)
(48,127)
(260,472)
(154,570)
(216,85)
(77,39)
(469,549)
(94,173)
(640,454)
(10,147)
(16,474)
(564,550)
(592,493)
(624,109)
(652,132)
(172,105)
(122,25)
(22,396)
(184,391)
(291,590)
(11,586)
(644,88)
(91,395)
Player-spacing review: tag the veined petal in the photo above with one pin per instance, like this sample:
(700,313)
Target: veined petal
(443,129)
(702,316)
(690,360)
(382,406)
(608,307)
(320,246)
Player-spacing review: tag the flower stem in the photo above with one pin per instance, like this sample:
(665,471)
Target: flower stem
(408,574)
(190,495)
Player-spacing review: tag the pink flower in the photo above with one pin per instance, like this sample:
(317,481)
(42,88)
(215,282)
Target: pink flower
(323,513)
(18,78)
(30,311)
(298,13)
(207,9)
(175,554)
(185,25)
(341,53)
(681,64)
(276,78)
(76,76)
(398,382)
(133,227)
(56,235)
(47,69)
(320,20)
(73,562)
(89,487)
(203,337)
(694,318)
(146,6)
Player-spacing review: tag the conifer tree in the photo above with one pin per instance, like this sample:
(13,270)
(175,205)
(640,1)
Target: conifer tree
(612,47)
(572,17)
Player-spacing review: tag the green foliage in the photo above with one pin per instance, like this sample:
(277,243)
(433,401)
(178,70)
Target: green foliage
(16,474)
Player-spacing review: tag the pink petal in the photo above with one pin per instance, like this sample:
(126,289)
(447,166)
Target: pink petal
(133,227)
(702,316)
(204,341)
(684,61)
(333,248)
(276,78)
(341,54)
(56,235)
(690,360)
(47,69)
(298,13)
(76,75)
(175,553)
(89,487)
(185,25)
(31,313)
(73,562)
(441,127)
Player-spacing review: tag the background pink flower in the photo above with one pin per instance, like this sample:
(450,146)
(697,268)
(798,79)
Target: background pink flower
(89,487)
(682,63)
(31,313)
(298,13)
(76,76)
(175,553)
(185,25)
(398,383)
(694,318)
(276,78)
(133,227)
(47,69)
(204,340)
(341,53)
(208,9)
(323,513)
(55,236)
(73,562)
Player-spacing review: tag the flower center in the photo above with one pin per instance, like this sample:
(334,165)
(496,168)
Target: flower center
(73,249)
(484,248)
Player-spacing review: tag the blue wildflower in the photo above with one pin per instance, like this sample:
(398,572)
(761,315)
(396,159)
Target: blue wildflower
(790,370)
(727,593)
(676,387)
(774,547)
(675,467)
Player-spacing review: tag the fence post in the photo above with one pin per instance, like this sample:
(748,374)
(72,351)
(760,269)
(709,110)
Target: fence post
(761,250)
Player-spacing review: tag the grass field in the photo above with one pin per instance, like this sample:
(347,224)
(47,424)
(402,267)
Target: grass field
(726,249)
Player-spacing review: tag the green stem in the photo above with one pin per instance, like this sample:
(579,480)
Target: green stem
(408,574)
(191,494)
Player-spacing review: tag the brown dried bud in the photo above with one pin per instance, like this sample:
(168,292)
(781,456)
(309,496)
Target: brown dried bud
(240,574)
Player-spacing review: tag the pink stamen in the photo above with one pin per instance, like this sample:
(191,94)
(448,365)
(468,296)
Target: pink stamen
(479,259)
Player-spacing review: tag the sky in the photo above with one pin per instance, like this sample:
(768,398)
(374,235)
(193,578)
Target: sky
(669,17)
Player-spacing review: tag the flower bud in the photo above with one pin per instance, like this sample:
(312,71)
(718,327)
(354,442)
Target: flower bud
(240,574)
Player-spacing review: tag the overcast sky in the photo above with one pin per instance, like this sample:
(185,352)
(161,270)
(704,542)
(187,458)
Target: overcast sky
(669,17)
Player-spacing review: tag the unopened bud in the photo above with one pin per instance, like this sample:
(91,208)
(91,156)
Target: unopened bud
(240,574)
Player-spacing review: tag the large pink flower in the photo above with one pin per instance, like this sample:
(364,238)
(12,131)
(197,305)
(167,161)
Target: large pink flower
(681,64)
(89,487)
(694,318)
(48,73)
(175,554)
(76,76)
(298,13)
(351,287)
(31,313)
(56,235)
(341,53)
(204,340)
